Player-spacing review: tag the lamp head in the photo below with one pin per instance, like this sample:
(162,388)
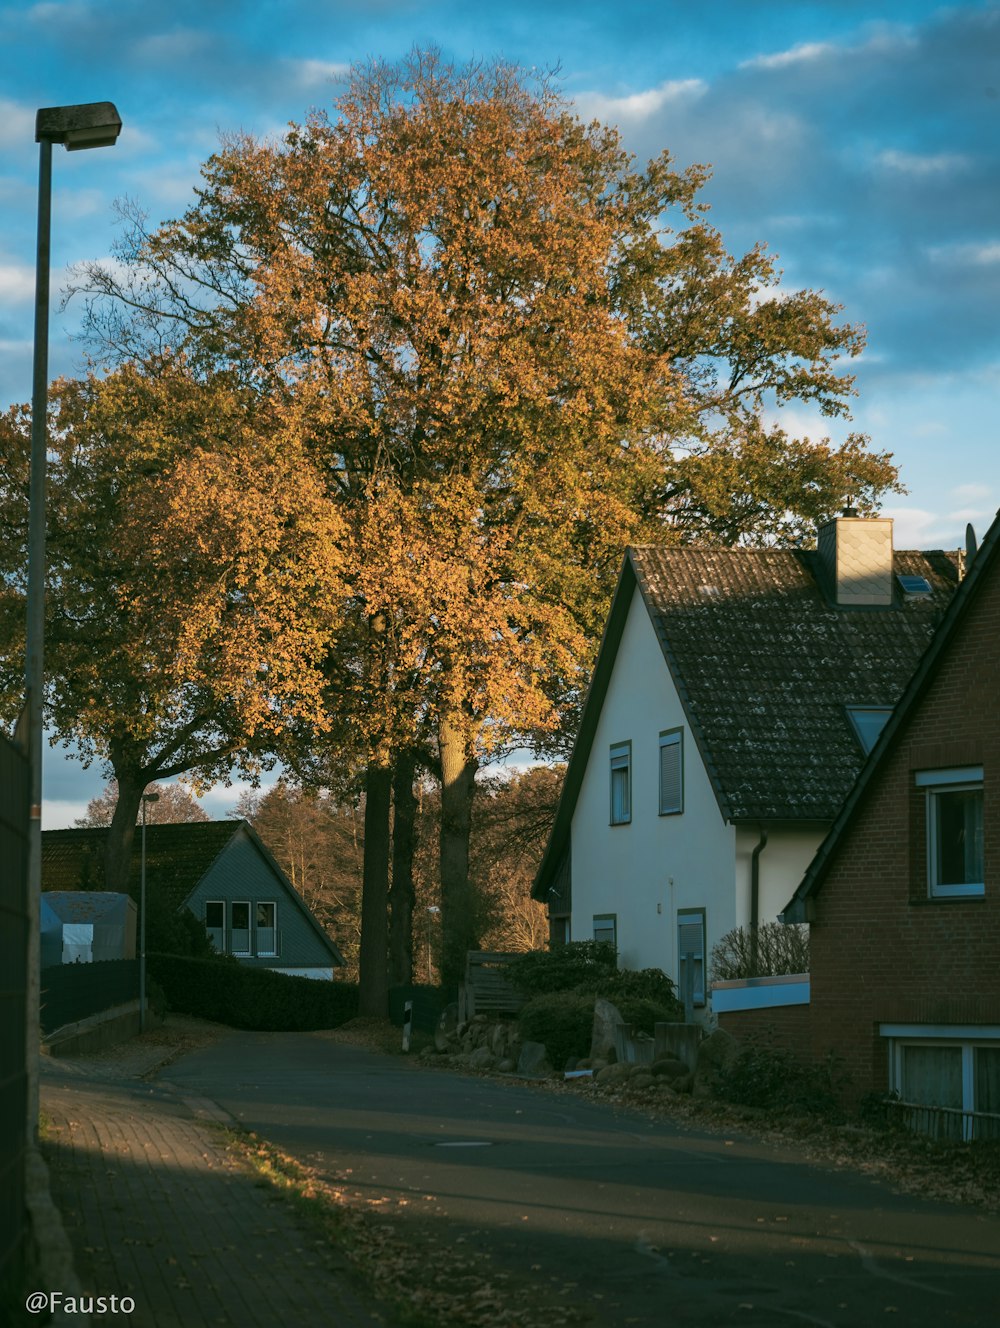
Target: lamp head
(95,124)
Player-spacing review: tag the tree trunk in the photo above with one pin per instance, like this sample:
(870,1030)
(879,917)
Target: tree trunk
(373,972)
(459,921)
(121,833)
(402,893)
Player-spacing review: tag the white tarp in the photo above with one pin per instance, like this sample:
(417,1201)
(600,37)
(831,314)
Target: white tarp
(78,943)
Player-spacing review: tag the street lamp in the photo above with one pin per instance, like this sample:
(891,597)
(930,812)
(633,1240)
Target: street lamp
(91,126)
(146,798)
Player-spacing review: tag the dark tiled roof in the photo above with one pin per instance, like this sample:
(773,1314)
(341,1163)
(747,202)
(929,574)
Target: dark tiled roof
(766,664)
(177,857)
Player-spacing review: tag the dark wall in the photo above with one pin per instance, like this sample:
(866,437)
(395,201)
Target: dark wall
(75,991)
(13,1004)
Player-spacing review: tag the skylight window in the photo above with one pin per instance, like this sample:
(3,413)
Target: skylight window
(915,586)
(868,722)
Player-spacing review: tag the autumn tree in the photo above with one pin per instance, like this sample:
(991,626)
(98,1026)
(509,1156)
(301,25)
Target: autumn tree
(192,586)
(174,804)
(510,351)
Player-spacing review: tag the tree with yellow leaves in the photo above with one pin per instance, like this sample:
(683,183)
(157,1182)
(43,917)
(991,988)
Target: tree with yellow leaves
(193,588)
(510,351)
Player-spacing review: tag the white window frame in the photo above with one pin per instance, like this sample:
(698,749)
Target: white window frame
(610,921)
(621,760)
(670,739)
(935,783)
(967,1037)
(248,952)
(273,952)
(221,948)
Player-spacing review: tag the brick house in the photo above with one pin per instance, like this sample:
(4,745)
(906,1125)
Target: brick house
(734,697)
(903,896)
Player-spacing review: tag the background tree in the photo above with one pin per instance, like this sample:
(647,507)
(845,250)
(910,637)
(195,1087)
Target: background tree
(510,352)
(192,591)
(176,803)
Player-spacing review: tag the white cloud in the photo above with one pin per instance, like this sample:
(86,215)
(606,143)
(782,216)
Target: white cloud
(17,282)
(970,492)
(805,53)
(923,165)
(319,73)
(181,44)
(17,124)
(966,255)
(60,815)
(639,105)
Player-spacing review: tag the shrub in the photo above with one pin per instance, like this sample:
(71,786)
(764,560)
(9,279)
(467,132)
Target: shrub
(578,964)
(643,1014)
(642,984)
(563,1021)
(770,952)
(771,1077)
(228,992)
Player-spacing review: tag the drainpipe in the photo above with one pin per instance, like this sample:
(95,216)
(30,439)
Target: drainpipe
(755,894)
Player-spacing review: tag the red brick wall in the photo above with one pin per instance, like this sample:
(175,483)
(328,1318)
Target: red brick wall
(881,950)
(786,1026)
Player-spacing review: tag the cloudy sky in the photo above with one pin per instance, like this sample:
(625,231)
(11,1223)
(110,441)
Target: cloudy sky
(858,140)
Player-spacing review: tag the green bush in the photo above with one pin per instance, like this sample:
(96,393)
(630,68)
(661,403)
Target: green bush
(643,1014)
(642,984)
(578,964)
(226,991)
(563,1021)
(773,1078)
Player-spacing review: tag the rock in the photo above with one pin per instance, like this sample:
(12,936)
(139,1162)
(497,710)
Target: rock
(684,1084)
(669,1068)
(638,1082)
(506,1065)
(602,1039)
(445,1032)
(533,1059)
(598,1063)
(614,1074)
(481,1059)
(498,1039)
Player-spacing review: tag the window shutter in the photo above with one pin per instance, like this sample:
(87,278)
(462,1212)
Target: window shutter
(671,768)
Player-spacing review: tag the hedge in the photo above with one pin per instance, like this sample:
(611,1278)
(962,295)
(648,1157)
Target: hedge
(228,992)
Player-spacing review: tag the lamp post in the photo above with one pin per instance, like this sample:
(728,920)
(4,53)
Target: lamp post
(146,798)
(95,125)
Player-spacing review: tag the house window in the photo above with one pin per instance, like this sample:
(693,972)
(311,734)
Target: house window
(671,772)
(952,1071)
(267,930)
(954,808)
(240,934)
(867,723)
(606,928)
(621,783)
(215,923)
(691,955)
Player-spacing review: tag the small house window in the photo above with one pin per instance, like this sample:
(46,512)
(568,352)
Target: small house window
(952,1072)
(954,805)
(606,928)
(868,722)
(621,783)
(671,772)
(691,955)
(215,924)
(267,930)
(240,935)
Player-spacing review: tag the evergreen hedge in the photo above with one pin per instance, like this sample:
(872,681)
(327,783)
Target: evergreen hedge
(228,992)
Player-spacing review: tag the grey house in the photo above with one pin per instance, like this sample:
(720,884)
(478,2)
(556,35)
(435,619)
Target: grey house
(221,873)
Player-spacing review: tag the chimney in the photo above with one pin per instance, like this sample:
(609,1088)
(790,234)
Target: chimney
(855,554)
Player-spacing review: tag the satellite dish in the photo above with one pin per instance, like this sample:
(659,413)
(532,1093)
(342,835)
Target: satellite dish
(971,543)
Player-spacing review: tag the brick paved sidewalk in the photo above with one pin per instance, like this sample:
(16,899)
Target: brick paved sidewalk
(156,1210)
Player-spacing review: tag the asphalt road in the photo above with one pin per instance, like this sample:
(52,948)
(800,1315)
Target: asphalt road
(645,1223)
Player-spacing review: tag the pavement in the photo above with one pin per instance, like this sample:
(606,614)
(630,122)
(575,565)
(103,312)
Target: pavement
(167,1230)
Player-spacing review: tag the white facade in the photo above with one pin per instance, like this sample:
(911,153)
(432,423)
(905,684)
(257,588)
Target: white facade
(656,870)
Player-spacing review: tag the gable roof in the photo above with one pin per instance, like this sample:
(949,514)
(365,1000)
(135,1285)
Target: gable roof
(178,856)
(765,665)
(984,564)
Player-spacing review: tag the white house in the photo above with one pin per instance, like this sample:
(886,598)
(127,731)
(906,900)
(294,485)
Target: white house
(735,695)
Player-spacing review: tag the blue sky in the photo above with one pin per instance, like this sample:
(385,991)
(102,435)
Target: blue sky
(858,140)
